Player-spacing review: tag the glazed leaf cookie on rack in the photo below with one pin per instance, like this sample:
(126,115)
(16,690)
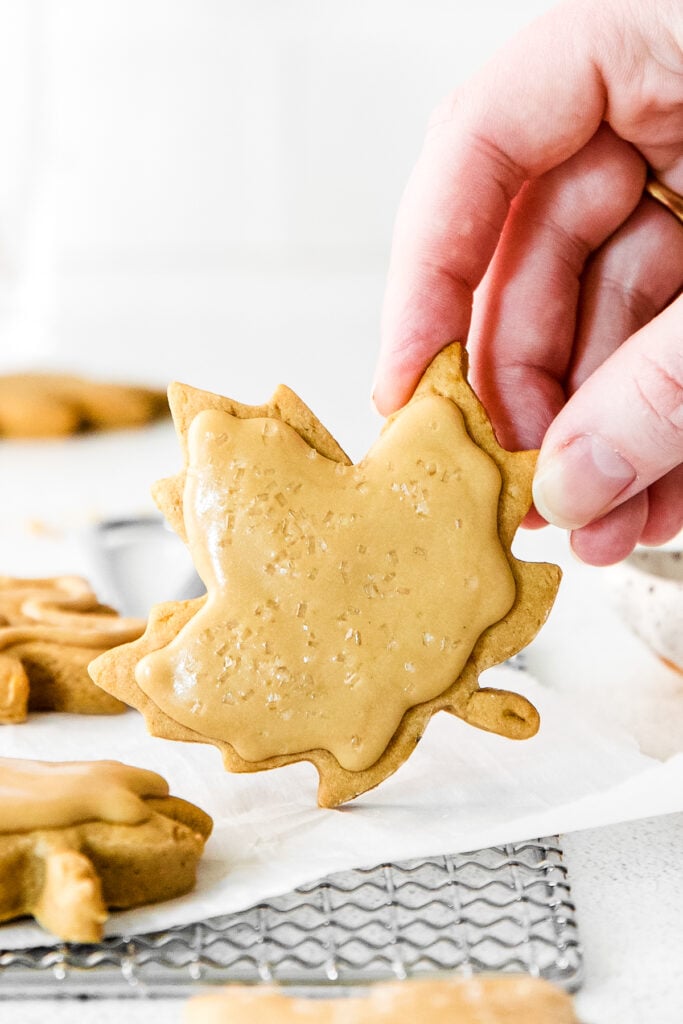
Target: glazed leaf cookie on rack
(79,837)
(50,629)
(346,604)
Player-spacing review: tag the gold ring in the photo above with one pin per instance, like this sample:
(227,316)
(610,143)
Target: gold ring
(666,196)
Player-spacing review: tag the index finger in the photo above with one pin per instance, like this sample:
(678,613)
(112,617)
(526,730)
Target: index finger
(536,104)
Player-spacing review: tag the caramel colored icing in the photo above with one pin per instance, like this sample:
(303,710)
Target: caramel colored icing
(46,795)
(63,610)
(338,596)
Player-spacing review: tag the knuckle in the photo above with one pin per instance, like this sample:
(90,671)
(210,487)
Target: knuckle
(660,387)
(639,304)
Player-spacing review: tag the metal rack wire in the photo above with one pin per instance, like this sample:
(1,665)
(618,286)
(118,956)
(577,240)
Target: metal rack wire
(500,909)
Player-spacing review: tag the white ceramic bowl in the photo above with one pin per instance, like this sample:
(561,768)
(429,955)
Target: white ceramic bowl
(647,589)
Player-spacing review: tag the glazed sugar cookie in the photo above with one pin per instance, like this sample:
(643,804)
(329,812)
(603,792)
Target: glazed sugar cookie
(43,405)
(505,999)
(346,604)
(79,837)
(50,629)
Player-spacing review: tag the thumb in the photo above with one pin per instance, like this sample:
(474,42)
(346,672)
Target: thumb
(620,431)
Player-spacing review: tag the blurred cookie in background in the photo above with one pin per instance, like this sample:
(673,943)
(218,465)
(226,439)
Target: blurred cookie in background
(50,630)
(46,405)
(503,999)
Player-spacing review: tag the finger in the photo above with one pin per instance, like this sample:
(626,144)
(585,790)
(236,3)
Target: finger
(622,429)
(525,311)
(652,519)
(614,536)
(533,521)
(525,113)
(665,516)
(633,277)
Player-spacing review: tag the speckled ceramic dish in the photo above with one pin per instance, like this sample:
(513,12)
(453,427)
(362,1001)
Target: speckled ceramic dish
(648,594)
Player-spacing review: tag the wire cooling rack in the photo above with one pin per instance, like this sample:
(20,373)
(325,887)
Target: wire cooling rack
(507,908)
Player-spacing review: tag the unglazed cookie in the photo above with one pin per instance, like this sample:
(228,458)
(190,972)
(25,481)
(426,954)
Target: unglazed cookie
(346,604)
(79,837)
(50,629)
(503,999)
(42,405)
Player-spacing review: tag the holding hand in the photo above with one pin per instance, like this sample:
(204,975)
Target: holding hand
(531,190)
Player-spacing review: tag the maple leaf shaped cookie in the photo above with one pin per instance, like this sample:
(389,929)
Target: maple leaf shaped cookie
(50,630)
(346,604)
(78,837)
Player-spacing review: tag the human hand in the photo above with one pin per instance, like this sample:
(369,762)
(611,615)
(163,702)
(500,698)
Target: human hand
(529,189)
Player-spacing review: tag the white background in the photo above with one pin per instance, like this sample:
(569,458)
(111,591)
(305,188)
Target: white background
(204,190)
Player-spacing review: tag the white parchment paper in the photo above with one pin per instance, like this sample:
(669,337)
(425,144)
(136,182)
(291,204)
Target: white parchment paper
(462,789)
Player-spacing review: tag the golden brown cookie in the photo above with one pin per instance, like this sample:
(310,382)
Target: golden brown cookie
(345,604)
(50,630)
(501,999)
(79,837)
(42,405)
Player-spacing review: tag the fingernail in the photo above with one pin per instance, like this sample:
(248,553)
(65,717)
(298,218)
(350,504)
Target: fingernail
(579,482)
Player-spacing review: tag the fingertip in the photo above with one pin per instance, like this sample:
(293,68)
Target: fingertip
(576,483)
(399,369)
(393,382)
(388,400)
(385,397)
(533,520)
(593,550)
(665,509)
(612,538)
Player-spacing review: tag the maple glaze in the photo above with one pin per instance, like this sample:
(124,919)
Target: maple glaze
(46,795)
(61,610)
(338,596)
